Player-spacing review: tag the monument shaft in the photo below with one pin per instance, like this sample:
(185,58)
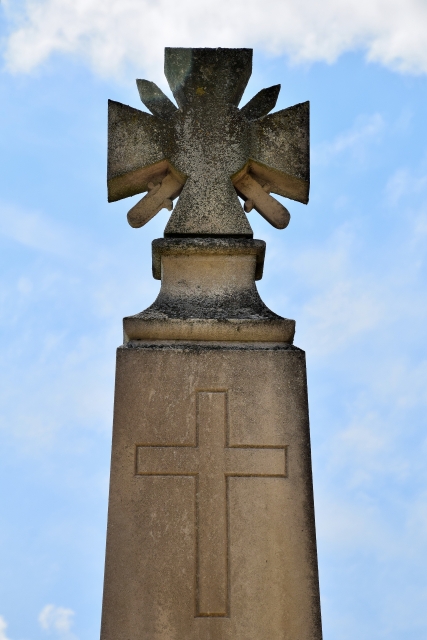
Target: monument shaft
(211,525)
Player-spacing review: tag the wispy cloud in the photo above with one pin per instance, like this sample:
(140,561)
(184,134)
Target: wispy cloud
(365,131)
(67,307)
(110,34)
(340,304)
(38,231)
(404,183)
(58,620)
(3,627)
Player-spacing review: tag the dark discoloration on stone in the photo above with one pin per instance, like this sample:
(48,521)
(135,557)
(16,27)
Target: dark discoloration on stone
(211,144)
(245,306)
(199,347)
(208,143)
(221,74)
(241,302)
(261,104)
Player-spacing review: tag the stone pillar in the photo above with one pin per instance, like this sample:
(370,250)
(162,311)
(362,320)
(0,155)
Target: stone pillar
(211,530)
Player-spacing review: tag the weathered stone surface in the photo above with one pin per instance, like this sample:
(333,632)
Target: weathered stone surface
(208,292)
(261,104)
(212,144)
(216,246)
(155,100)
(210,147)
(211,523)
(221,74)
(281,143)
(135,150)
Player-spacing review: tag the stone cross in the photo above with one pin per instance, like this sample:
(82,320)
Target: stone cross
(207,150)
(211,460)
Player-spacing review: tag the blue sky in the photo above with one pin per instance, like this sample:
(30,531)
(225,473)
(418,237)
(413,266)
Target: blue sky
(350,269)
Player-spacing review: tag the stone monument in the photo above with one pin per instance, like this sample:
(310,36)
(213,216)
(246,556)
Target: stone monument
(211,531)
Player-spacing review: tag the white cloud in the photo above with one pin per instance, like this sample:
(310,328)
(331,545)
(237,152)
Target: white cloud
(3,625)
(109,34)
(56,619)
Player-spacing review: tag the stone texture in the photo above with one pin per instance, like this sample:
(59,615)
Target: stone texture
(214,150)
(211,522)
(281,143)
(261,104)
(218,73)
(215,246)
(208,292)
(155,100)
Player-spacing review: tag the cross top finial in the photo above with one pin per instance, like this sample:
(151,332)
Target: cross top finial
(207,150)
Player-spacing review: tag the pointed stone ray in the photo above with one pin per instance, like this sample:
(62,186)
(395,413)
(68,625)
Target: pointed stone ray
(155,100)
(258,197)
(135,153)
(159,196)
(280,152)
(261,104)
(215,73)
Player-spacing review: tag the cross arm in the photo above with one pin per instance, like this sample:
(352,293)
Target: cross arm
(135,153)
(280,152)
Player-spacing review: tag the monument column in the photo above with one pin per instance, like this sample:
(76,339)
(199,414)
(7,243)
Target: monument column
(211,530)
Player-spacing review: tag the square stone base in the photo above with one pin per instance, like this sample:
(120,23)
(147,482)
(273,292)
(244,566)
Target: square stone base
(211,530)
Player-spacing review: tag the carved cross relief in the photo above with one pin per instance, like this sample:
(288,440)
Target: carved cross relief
(206,150)
(211,461)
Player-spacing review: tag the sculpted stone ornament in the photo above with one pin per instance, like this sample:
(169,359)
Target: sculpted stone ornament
(207,151)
